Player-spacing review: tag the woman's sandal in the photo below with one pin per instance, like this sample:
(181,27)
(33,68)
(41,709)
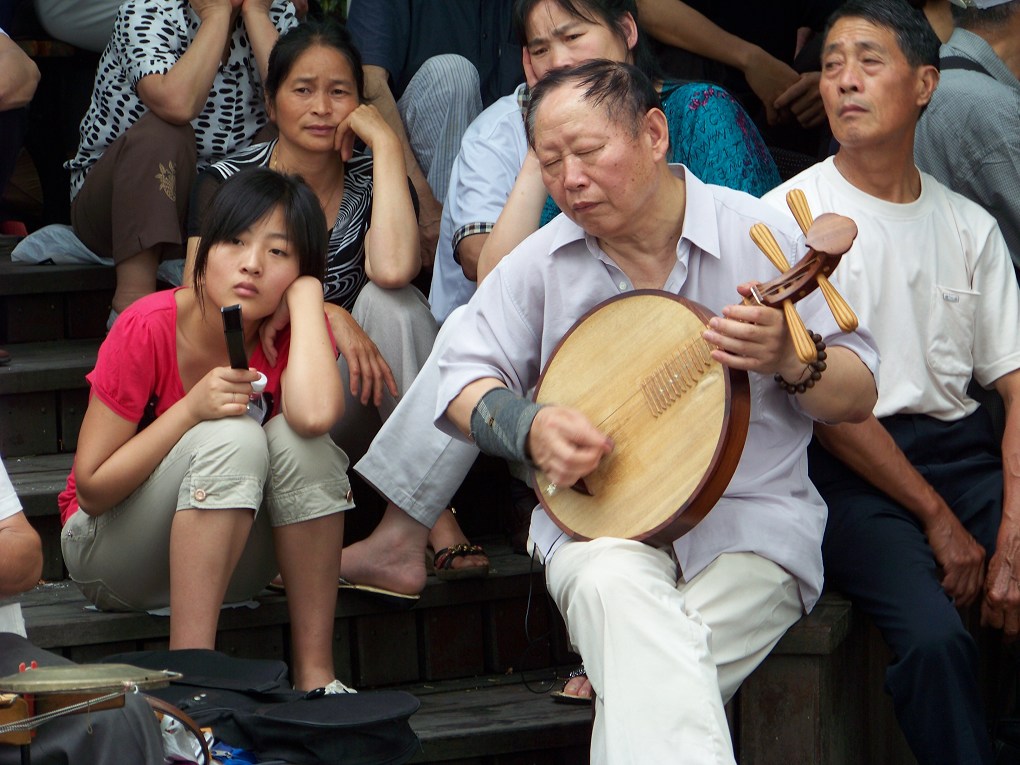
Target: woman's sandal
(571,698)
(389,598)
(442,562)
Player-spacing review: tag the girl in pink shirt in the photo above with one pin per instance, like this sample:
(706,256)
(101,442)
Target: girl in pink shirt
(179,499)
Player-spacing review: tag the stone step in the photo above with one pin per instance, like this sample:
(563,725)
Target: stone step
(457,629)
(464,721)
(32,279)
(50,302)
(43,396)
(462,651)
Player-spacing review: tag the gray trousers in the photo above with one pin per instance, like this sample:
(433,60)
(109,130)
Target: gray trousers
(403,328)
(437,106)
(121,559)
(411,462)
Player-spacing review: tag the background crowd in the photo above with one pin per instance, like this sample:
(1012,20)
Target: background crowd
(418,145)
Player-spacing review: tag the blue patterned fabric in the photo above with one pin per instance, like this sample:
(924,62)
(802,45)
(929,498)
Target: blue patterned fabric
(713,136)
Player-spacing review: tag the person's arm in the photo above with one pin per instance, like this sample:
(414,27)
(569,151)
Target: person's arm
(868,450)
(804,100)
(180,95)
(262,33)
(391,246)
(1001,605)
(677,24)
(114,458)
(312,392)
(468,252)
(755,338)
(520,218)
(18,75)
(492,156)
(377,93)
(21,557)
(561,441)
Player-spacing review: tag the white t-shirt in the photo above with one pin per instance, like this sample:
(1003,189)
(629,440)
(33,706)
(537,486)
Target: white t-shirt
(933,282)
(491,156)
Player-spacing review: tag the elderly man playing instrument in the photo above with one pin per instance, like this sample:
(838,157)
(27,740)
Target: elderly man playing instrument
(667,635)
(917,493)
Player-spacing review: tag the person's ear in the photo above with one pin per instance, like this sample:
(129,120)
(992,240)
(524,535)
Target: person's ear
(657,130)
(927,81)
(630,31)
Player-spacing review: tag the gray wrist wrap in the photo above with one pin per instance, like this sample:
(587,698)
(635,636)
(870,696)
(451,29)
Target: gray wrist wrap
(500,424)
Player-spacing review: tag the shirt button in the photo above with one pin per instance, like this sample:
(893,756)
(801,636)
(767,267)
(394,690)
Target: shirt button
(623,286)
(200,495)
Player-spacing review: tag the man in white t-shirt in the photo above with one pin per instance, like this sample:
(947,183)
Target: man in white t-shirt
(915,493)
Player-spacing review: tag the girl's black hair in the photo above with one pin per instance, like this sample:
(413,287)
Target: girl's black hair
(249,196)
(308,34)
(609,13)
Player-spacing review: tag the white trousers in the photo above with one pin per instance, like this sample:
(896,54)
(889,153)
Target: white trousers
(664,655)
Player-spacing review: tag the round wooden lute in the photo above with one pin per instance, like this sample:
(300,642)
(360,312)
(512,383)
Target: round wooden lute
(638,368)
(678,418)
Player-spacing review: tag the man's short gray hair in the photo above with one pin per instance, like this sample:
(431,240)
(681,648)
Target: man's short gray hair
(622,90)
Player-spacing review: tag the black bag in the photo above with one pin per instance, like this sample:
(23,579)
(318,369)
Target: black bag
(249,704)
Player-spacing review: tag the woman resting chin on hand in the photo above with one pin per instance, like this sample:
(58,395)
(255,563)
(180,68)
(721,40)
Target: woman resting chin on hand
(179,498)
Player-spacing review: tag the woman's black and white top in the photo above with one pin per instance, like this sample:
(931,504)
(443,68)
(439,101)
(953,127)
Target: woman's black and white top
(149,37)
(345,262)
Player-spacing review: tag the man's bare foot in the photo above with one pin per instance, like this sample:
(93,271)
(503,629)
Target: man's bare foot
(577,689)
(579,686)
(447,533)
(391,558)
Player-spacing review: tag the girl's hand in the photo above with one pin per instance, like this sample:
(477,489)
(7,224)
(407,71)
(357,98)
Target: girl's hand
(368,124)
(306,290)
(369,372)
(270,328)
(223,392)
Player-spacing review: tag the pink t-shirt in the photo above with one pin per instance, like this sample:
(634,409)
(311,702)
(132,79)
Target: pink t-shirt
(137,364)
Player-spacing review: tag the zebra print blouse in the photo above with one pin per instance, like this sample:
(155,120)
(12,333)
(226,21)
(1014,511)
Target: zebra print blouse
(345,262)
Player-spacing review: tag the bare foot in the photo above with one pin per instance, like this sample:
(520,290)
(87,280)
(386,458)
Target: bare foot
(578,686)
(447,533)
(391,558)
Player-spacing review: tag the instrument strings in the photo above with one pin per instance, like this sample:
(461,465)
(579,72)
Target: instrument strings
(681,371)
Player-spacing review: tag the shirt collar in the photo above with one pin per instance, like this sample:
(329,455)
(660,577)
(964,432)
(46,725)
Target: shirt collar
(701,225)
